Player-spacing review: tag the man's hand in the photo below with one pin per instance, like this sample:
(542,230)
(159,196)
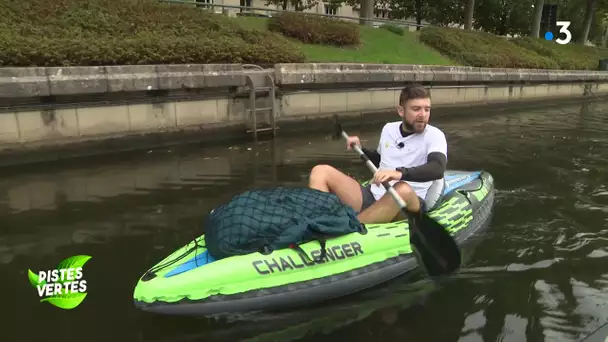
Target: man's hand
(385,175)
(351,140)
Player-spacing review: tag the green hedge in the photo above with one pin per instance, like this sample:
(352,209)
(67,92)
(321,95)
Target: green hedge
(481,49)
(312,29)
(570,56)
(111,32)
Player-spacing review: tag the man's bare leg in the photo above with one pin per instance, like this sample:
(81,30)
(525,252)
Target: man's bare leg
(386,209)
(328,179)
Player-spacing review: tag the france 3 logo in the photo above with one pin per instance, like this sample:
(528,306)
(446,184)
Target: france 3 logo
(550,24)
(563,28)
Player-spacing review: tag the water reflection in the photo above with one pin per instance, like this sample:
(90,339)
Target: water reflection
(538,274)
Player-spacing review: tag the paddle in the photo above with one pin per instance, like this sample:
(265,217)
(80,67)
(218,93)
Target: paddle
(435,249)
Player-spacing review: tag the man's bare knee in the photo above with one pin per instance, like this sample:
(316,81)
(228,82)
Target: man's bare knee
(321,170)
(329,179)
(408,194)
(320,177)
(321,173)
(403,189)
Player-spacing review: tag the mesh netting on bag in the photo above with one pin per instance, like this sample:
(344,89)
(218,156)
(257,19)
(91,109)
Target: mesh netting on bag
(276,218)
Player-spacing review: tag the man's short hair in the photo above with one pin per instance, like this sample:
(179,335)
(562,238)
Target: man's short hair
(413,91)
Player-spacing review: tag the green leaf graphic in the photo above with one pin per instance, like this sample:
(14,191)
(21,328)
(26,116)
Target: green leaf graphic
(73,262)
(66,301)
(33,277)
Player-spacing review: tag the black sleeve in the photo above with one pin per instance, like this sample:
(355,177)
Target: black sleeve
(433,169)
(373,155)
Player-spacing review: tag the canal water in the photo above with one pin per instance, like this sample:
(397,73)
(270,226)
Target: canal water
(539,273)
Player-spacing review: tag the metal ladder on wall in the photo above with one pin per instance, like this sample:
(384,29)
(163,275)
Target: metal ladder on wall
(268,123)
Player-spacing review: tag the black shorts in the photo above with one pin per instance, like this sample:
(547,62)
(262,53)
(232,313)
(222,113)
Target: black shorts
(369,199)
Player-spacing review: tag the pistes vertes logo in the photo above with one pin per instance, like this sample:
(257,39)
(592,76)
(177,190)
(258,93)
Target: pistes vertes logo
(63,287)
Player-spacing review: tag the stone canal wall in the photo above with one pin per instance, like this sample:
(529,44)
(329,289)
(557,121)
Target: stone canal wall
(126,107)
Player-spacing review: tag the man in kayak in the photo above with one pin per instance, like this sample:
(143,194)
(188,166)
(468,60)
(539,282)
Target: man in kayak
(410,152)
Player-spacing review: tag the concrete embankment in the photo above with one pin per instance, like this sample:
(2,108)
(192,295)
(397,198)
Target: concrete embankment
(58,112)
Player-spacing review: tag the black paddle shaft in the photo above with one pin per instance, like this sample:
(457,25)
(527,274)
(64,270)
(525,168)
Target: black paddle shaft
(434,247)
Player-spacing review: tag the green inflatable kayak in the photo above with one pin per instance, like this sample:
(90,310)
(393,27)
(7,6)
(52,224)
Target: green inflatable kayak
(191,282)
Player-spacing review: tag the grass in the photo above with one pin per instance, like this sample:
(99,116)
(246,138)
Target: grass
(448,46)
(378,46)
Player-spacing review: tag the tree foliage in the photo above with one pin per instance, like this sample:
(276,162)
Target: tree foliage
(574,11)
(501,17)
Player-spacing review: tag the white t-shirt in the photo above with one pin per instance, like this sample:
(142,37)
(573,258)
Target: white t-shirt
(414,152)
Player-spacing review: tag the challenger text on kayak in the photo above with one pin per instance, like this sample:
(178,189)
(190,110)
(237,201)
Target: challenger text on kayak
(282,264)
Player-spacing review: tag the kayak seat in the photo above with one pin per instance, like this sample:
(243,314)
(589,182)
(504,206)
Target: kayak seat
(435,194)
(452,181)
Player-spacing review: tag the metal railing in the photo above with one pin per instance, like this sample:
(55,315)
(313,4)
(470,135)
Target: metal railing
(407,23)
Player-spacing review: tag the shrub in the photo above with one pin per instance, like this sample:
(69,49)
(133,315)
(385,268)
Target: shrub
(110,32)
(312,29)
(570,56)
(482,49)
(394,28)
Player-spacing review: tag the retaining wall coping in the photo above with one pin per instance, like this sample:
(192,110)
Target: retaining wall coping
(336,73)
(46,81)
